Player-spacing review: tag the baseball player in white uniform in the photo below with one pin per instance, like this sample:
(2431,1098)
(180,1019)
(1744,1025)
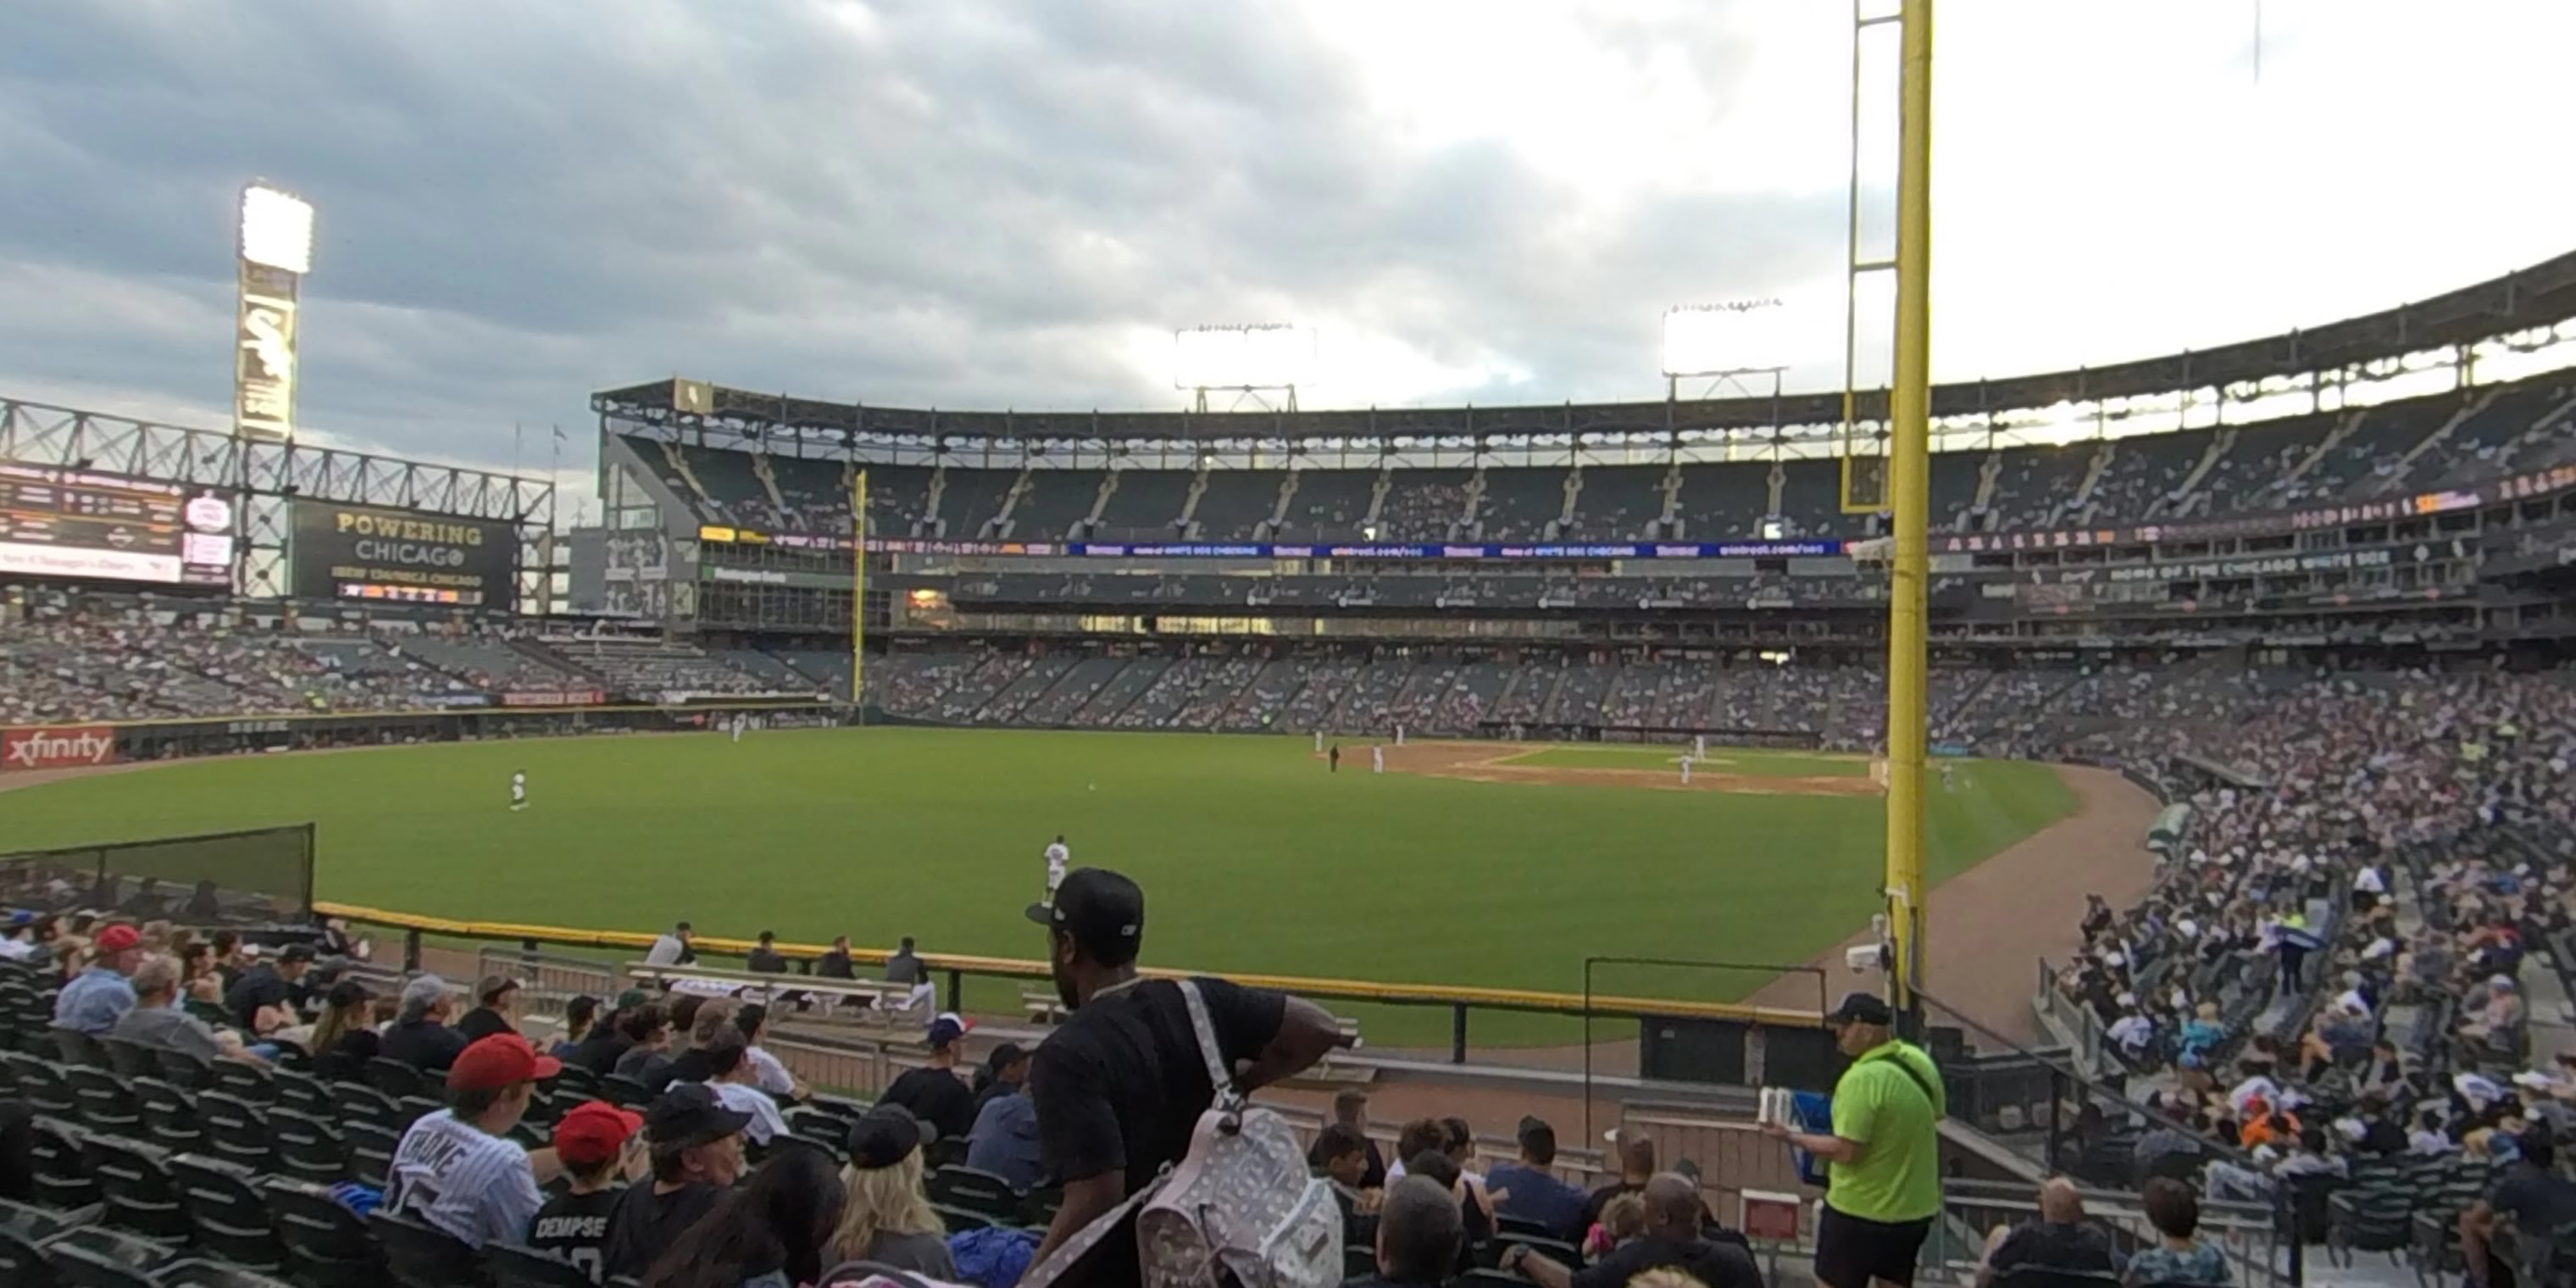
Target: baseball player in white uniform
(1319,742)
(1057,857)
(1377,760)
(518,789)
(1686,766)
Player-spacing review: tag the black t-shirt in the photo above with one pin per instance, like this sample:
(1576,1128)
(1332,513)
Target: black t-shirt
(346,1061)
(647,1066)
(1600,1199)
(2056,1245)
(644,1225)
(1718,1265)
(600,1051)
(692,1065)
(575,1228)
(1120,1085)
(835,965)
(423,1044)
(2538,1201)
(482,1022)
(936,1097)
(258,987)
(766,961)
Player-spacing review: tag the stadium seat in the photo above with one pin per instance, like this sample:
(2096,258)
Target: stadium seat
(95,1257)
(79,1049)
(625,1092)
(819,1127)
(1517,1229)
(42,1086)
(23,1232)
(185,1070)
(371,1150)
(396,1079)
(969,1190)
(238,1131)
(575,1083)
(106,1104)
(301,1092)
(422,1256)
(169,1115)
(1358,1261)
(246,1080)
(128,1060)
(356,1102)
(227,1214)
(959,1220)
(135,1179)
(513,1266)
(309,1148)
(214,1274)
(1488,1277)
(411,1109)
(62,1179)
(327,1246)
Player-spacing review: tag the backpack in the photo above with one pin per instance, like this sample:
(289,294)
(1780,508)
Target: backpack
(1242,1210)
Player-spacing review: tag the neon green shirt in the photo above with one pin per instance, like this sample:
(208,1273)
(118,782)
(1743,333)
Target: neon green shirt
(1899,1177)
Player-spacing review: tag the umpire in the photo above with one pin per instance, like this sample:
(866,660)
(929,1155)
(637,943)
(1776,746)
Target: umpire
(1882,1159)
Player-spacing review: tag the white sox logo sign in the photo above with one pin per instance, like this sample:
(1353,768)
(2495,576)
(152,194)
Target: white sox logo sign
(57,748)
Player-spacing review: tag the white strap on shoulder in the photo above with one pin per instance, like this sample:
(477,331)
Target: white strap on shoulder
(1220,1077)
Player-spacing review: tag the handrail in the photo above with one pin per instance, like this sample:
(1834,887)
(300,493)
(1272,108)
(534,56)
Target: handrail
(1396,994)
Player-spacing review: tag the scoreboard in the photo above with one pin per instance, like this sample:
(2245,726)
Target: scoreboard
(73,523)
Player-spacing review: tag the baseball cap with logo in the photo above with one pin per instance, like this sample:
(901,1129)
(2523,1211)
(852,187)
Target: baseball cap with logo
(593,1132)
(947,1027)
(117,938)
(689,1114)
(501,1060)
(1102,910)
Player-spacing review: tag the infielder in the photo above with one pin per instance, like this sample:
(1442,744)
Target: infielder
(1056,858)
(1319,742)
(518,790)
(1949,776)
(1686,764)
(1699,747)
(1377,760)
(1399,735)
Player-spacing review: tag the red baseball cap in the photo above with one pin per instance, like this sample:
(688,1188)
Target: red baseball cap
(501,1060)
(117,938)
(593,1131)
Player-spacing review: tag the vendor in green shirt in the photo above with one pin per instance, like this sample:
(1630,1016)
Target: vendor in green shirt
(1883,1157)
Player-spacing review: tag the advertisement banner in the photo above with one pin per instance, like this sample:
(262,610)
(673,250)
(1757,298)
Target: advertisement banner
(79,523)
(264,354)
(555,698)
(402,556)
(57,747)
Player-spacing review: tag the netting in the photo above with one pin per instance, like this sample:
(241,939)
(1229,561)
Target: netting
(261,875)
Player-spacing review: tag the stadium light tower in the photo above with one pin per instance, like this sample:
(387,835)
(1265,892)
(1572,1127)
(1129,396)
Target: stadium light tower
(1249,360)
(275,252)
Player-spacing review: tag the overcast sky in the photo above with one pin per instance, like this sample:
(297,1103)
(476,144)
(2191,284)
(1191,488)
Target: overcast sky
(978,205)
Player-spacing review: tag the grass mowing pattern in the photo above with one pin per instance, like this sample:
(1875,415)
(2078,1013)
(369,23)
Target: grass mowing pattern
(1253,858)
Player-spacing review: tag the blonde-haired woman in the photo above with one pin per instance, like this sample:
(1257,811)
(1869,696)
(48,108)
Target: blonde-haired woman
(886,1215)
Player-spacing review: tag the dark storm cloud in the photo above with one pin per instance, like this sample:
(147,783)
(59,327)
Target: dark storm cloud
(926,203)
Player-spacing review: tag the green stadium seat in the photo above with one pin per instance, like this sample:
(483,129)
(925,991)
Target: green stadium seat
(513,1266)
(227,1212)
(327,1246)
(238,1131)
(62,1178)
(371,1150)
(169,1115)
(135,1179)
(106,1103)
(422,1256)
(309,1148)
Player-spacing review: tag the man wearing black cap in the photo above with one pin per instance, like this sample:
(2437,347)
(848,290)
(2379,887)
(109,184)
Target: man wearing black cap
(696,1146)
(1882,1158)
(933,1092)
(1119,1086)
(262,1000)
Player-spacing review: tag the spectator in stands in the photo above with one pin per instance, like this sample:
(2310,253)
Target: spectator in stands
(1414,1139)
(904,966)
(95,999)
(766,1072)
(729,1075)
(1419,1237)
(458,1169)
(696,1148)
(1673,1238)
(581,1015)
(835,962)
(342,1041)
(420,1036)
(600,1147)
(1436,1165)
(2540,1201)
(711,1016)
(156,1022)
(1636,1167)
(1350,1109)
(1121,1083)
(1004,1072)
(769,1234)
(647,1029)
(2060,1239)
(18,942)
(2179,1257)
(1529,1187)
(1004,1139)
(934,1092)
(496,1009)
(1343,1156)
(672,949)
(764,958)
(886,1215)
(231,959)
(262,1000)
(1882,1157)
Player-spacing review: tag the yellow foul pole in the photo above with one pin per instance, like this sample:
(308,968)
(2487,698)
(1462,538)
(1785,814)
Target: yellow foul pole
(859,592)
(1909,494)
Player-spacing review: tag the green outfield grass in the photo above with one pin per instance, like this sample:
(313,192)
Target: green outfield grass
(1252,856)
(1766,764)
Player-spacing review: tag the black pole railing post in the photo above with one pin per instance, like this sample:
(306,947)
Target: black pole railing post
(2056,1114)
(957,990)
(1458,1033)
(411,950)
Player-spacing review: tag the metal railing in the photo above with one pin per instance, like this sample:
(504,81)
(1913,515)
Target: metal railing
(2248,1234)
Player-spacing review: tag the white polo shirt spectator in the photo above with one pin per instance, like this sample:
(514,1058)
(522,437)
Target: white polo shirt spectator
(458,1169)
(671,949)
